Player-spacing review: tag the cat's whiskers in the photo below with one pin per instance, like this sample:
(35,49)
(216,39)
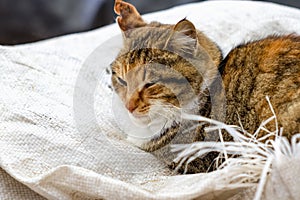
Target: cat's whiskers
(167,111)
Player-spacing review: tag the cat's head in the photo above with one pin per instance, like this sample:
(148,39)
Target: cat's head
(161,67)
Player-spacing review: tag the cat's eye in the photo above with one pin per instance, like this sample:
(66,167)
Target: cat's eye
(147,85)
(122,82)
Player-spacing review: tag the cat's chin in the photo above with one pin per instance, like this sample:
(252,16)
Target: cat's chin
(154,123)
(141,121)
(148,128)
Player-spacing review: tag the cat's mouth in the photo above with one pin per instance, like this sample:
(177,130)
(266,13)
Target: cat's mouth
(151,120)
(140,120)
(150,125)
(154,124)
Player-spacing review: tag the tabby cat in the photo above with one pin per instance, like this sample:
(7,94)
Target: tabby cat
(164,69)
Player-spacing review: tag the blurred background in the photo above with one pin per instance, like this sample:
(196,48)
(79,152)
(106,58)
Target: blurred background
(32,20)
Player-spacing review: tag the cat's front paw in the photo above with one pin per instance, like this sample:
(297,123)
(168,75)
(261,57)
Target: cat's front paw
(199,165)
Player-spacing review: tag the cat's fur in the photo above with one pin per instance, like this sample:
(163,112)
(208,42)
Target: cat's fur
(187,68)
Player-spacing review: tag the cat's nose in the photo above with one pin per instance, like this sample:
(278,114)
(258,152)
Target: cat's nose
(131,105)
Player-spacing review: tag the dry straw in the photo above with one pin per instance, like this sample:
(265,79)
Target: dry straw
(248,159)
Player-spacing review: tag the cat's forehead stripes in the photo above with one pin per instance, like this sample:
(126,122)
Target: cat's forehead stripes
(117,68)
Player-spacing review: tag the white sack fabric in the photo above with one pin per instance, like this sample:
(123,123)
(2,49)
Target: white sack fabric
(59,128)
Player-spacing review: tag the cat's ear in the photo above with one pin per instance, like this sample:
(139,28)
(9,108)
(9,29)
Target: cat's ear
(187,28)
(129,18)
(183,37)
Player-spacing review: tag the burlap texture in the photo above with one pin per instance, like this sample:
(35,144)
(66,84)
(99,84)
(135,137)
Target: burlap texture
(47,144)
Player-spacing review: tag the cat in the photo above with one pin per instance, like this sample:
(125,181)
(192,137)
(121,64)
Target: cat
(165,69)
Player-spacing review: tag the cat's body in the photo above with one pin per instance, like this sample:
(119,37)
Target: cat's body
(268,67)
(163,69)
